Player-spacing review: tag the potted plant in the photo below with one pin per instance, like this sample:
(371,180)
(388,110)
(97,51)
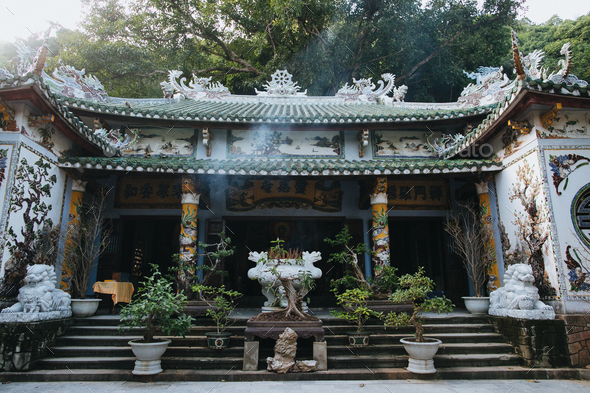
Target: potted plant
(221,303)
(153,308)
(87,239)
(414,288)
(354,302)
(193,274)
(471,242)
(378,287)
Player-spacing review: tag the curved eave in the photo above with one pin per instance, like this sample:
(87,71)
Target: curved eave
(524,94)
(256,167)
(32,88)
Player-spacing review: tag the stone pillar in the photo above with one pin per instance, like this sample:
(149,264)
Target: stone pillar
(486,217)
(380,226)
(251,350)
(78,189)
(188,228)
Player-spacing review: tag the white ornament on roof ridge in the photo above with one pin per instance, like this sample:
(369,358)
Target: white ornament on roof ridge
(491,85)
(198,88)
(281,84)
(445,144)
(70,82)
(364,90)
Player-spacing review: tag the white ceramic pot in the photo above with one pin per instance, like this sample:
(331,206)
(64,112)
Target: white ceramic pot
(477,305)
(148,356)
(82,308)
(421,354)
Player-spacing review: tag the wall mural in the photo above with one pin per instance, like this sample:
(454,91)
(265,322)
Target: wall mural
(567,125)
(578,275)
(161,142)
(284,194)
(285,144)
(562,166)
(403,144)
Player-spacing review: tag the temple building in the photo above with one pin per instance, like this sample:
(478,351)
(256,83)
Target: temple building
(200,160)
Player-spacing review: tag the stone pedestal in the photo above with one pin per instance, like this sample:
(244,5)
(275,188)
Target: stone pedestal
(22,343)
(273,329)
(251,350)
(320,355)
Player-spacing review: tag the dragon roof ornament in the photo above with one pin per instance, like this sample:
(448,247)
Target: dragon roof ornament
(116,140)
(491,85)
(70,82)
(24,62)
(530,65)
(441,146)
(281,84)
(198,88)
(364,90)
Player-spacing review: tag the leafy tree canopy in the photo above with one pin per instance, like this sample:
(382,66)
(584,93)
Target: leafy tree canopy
(130,44)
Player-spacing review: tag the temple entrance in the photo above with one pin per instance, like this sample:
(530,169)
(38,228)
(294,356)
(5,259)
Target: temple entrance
(147,240)
(307,234)
(418,242)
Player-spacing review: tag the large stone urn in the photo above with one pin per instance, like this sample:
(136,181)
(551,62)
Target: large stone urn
(271,286)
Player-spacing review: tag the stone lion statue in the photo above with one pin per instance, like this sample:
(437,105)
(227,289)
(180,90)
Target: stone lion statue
(519,298)
(40,297)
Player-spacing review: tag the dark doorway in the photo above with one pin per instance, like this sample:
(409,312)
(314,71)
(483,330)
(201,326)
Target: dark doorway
(145,241)
(418,242)
(307,234)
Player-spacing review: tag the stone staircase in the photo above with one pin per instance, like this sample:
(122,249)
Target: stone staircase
(94,346)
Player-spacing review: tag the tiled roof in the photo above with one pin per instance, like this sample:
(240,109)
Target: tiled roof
(249,109)
(76,124)
(300,167)
(526,84)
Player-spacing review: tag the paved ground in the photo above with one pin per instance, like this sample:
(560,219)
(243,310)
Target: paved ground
(405,386)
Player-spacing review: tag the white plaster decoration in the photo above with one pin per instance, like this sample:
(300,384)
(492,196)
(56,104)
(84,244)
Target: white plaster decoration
(271,286)
(482,188)
(364,90)
(79,185)
(197,89)
(378,198)
(491,86)
(519,298)
(281,84)
(190,198)
(39,299)
(116,140)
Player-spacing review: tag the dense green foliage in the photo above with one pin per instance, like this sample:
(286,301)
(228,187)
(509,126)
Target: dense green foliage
(354,302)
(131,44)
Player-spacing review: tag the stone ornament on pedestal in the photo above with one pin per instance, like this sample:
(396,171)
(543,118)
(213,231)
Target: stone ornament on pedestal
(285,351)
(519,298)
(262,273)
(39,299)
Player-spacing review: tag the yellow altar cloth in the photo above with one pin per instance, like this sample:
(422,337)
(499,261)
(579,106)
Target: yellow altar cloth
(121,291)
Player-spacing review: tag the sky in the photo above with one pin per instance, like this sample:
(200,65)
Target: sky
(21,18)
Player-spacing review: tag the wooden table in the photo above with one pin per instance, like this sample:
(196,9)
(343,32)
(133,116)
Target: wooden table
(121,291)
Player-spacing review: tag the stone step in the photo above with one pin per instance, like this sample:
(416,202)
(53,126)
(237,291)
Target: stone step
(448,338)
(113,320)
(113,331)
(399,361)
(353,374)
(235,350)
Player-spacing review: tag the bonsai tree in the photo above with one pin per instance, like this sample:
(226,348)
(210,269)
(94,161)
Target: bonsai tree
(211,266)
(378,287)
(471,242)
(414,288)
(88,238)
(221,302)
(33,183)
(154,307)
(354,302)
